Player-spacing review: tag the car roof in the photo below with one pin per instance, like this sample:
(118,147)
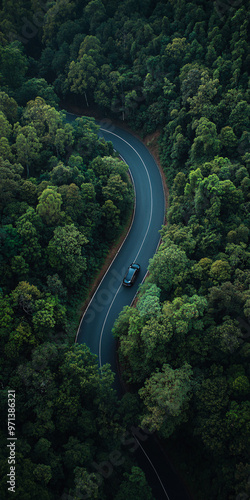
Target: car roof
(130,272)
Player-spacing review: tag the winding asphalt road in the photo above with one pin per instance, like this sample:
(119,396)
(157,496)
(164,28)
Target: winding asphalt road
(111,296)
(139,246)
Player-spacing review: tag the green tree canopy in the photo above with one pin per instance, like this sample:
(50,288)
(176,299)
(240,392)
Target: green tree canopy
(65,253)
(168,266)
(165,396)
(49,206)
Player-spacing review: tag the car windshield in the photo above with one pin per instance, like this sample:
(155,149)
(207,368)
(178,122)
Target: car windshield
(130,273)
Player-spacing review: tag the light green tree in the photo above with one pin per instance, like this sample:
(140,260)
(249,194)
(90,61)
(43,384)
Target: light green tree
(168,266)
(195,177)
(24,296)
(206,143)
(49,206)
(63,139)
(184,313)
(201,102)
(177,48)
(220,271)
(46,120)
(149,301)
(83,76)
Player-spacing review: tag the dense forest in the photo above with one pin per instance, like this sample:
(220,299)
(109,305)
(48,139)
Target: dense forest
(178,71)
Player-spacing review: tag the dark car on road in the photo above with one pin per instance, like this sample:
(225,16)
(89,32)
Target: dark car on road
(131,274)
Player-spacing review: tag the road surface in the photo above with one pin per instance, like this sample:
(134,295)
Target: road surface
(111,296)
(140,244)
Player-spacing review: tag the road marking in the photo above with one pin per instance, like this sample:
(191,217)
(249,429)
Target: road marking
(153,467)
(103,326)
(100,341)
(149,223)
(80,324)
(150,186)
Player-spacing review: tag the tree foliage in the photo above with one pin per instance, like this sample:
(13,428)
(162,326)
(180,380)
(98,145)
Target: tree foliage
(181,69)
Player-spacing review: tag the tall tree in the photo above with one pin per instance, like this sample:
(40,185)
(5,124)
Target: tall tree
(65,253)
(49,206)
(27,145)
(165,396)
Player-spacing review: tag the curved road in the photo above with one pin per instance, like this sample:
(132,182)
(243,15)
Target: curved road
(139,246)
(110,297)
